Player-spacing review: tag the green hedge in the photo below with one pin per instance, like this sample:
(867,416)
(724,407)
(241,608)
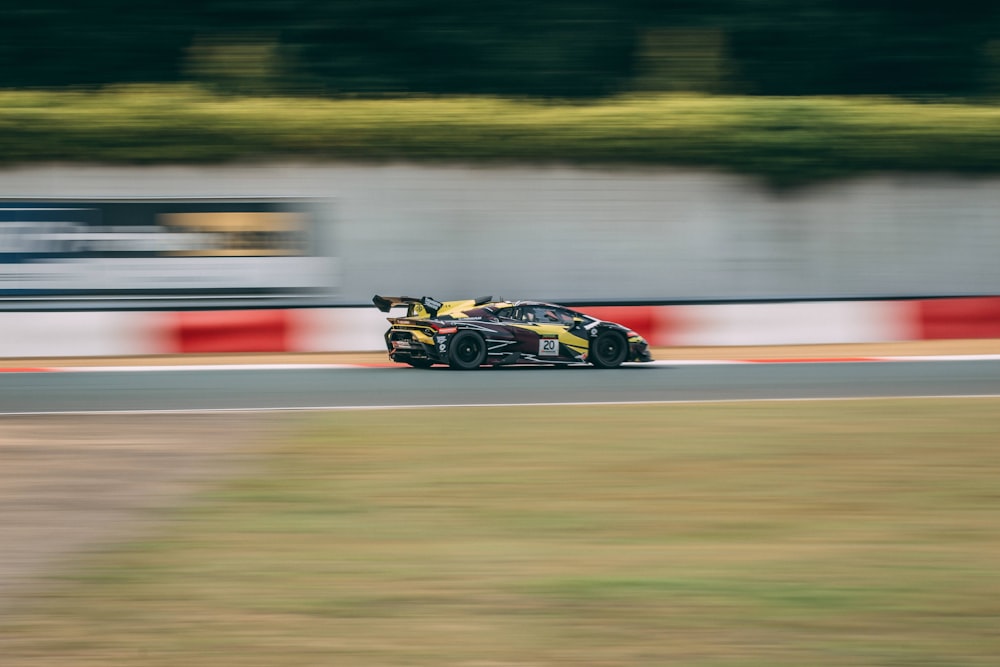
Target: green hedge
(782,139)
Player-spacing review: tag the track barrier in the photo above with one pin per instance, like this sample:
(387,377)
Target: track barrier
(100,333)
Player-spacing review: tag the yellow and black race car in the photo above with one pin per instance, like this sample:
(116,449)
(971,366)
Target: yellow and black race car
(487,332)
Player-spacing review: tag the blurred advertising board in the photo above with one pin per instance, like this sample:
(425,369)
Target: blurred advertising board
(164,253)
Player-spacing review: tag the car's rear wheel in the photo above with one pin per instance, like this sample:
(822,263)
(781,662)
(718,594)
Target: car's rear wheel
(466,351)
(608,350)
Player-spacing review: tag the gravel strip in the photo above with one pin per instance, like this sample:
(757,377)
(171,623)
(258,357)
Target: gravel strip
(69,485)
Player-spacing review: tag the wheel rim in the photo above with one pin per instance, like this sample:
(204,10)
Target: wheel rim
(468,351)
(610,349)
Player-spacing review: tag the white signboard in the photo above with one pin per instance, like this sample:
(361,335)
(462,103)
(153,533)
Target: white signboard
(149,250)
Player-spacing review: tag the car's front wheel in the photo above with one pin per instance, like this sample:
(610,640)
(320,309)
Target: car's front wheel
(466,351)
(608,350)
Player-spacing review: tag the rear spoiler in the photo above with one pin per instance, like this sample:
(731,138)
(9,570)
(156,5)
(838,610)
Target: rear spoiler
(385,303)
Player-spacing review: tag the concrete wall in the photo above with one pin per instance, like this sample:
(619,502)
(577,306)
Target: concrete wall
(564,234)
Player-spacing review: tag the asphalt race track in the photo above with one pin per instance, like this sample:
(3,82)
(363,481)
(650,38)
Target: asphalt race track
(300,388)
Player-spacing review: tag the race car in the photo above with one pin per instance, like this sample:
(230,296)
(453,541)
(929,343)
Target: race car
(486,332)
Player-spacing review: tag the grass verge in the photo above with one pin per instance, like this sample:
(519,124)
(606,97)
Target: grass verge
(785,140)
(821,533)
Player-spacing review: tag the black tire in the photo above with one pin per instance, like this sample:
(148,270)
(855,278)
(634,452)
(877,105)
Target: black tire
(466,351)
(419,363)
(608,350)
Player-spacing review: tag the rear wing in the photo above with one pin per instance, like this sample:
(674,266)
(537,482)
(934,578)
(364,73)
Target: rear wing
(385,303)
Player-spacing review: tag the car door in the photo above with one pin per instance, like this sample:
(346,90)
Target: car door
(573,338)
(555,327)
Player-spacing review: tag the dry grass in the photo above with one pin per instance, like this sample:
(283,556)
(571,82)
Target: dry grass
(841,533)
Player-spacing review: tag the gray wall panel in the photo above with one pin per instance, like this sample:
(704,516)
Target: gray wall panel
(566,233)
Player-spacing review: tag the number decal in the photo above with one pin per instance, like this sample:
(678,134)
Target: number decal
(548,347)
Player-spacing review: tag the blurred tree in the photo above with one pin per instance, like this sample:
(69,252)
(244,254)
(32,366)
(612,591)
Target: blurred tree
(517,47)
(991,78)
(62,42)
(682,59)
(892,47)
(245,64)
(922,47)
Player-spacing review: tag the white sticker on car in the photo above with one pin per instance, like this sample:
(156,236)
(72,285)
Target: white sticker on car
(548,347)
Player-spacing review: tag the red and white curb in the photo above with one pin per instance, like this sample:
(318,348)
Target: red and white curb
(663,362)
(96,334)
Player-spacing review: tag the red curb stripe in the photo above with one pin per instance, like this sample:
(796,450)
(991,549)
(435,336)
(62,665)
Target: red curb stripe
(968,317)
(230,331)
(28,370)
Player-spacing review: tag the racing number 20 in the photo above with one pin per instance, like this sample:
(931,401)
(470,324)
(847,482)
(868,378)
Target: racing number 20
(548,347)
